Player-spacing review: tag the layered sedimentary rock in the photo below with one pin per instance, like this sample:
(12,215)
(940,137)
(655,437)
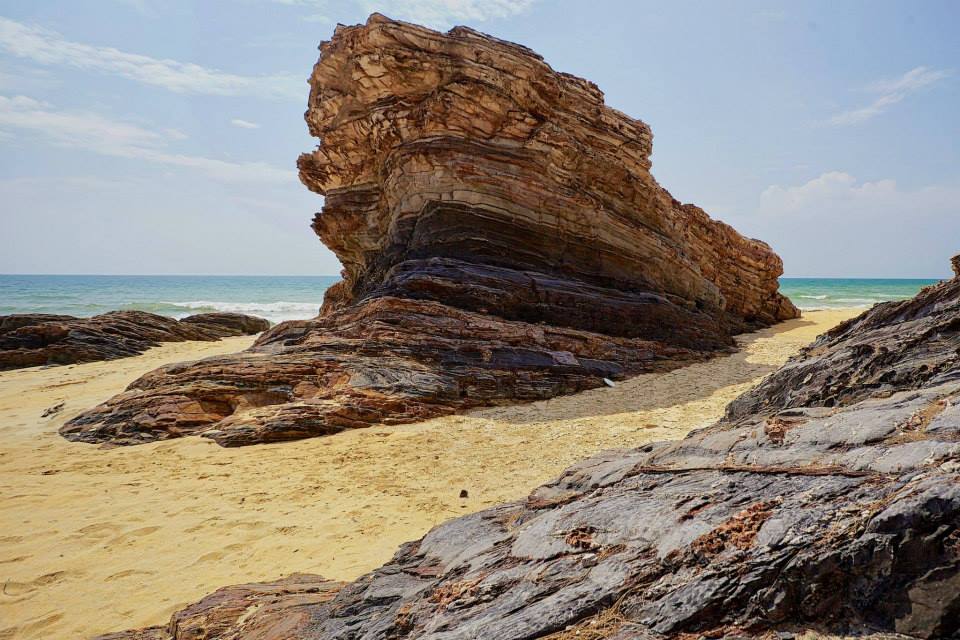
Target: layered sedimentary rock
(502,239)
(828,498)
(463,169)
(29,340)
(388,361)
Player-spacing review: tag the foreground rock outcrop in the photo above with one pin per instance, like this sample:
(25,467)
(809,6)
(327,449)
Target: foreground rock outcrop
(502,240)
(828,498)
(259,611)
(29,340)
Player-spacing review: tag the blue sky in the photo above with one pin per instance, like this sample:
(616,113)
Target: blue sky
(160,136)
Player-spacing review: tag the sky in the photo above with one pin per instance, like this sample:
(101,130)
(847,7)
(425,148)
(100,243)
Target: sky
(160,136)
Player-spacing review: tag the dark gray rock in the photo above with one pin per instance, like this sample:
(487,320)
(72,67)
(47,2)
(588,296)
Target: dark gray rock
(828,498)
(228,324)
(29,340)
(17,320)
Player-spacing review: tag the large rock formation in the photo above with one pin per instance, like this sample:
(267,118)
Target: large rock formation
(502,239)
(463,169)
(827,498)
(29,340)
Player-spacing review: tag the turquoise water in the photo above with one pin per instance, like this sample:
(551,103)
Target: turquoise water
(273,297)
(293,297)
(835,293)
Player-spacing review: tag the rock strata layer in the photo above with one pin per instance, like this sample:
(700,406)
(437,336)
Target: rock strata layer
(828,498)
(29,340)
(502,240)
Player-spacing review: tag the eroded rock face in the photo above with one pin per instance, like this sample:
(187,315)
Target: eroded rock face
(29,340)
(502,240)
(463,169)
(786,515)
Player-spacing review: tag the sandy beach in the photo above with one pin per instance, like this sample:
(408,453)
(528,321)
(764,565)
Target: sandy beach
(95,540)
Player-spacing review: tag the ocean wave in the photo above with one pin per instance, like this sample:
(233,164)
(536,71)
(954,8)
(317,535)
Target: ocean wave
(823,297)
(274,311)
(862,300)
(833,307)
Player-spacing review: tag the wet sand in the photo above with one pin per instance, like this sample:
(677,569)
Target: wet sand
(96,540)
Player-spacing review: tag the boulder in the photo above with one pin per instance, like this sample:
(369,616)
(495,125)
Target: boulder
(225,324)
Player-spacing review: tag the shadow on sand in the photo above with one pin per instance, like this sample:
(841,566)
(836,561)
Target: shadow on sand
(646,392)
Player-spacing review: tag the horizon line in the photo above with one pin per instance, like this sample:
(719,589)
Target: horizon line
(331,275)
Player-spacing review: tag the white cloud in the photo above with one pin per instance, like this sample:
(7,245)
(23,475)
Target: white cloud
(836,225)
(47,47)
(833,187)
(445,13)
(244,124)
(93,132)
(319,18)
(891,91)
(837,193)
(439,14)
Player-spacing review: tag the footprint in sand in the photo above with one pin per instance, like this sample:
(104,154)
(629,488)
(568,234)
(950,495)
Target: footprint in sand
(131,536)
(249,525)
(128,573)
(214,556)
(98,531)
(12,560)
(14,588)
(32,627)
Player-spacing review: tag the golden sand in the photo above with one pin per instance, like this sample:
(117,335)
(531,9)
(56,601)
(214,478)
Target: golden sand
(96,540)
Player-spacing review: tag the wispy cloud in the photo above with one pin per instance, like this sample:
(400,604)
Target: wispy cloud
(143,7)
(836,194)
(105,136)
(832,186)
(445,13)
(890,92)
(244,124)
(439,14)
(836,224)
(46,47)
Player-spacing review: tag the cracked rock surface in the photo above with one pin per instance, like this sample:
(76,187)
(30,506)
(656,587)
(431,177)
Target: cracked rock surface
(502,240)
(828,498)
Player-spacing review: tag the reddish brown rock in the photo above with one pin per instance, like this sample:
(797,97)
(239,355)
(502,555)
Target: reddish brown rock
(224,324)
(461,168)
(28,340)
(502,239)
(257,611)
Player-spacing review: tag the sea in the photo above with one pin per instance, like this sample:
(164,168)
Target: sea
(279,298)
